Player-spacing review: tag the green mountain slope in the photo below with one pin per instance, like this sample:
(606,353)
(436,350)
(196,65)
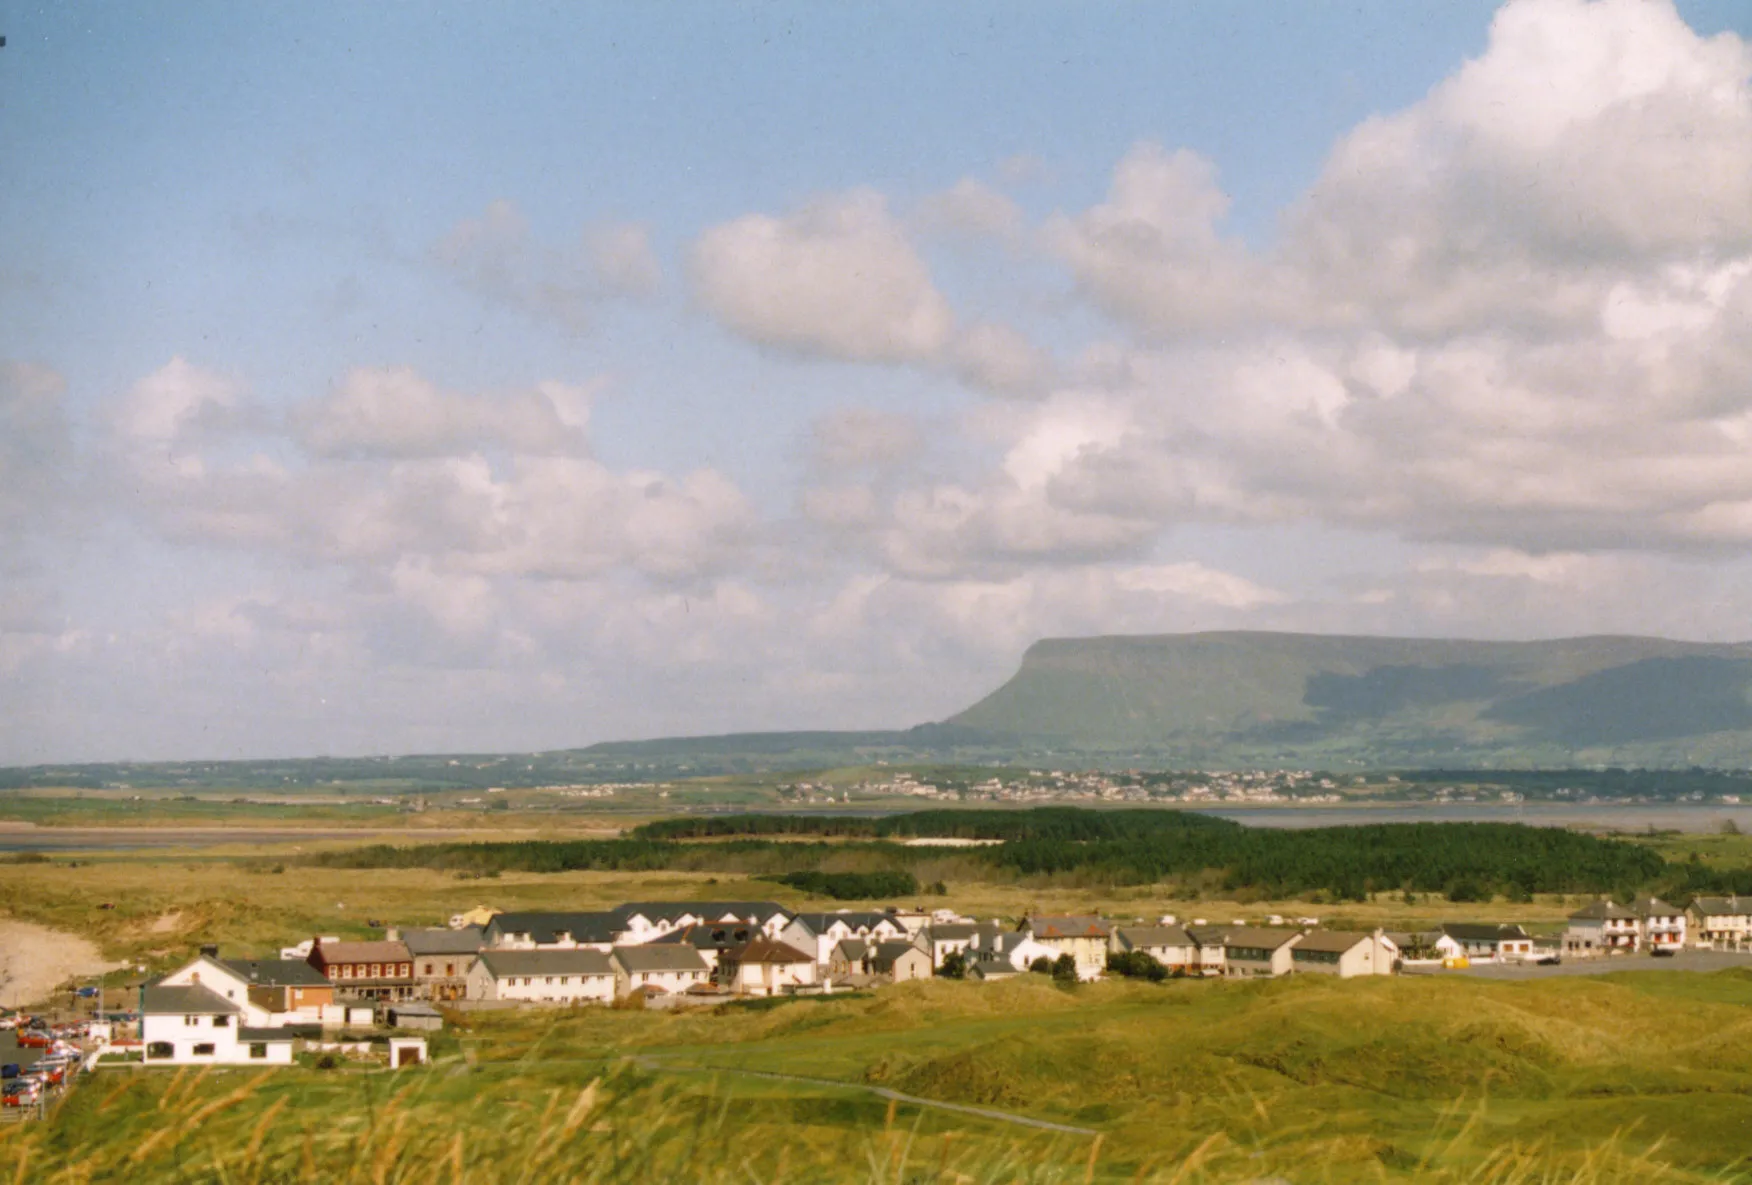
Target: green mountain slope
(1320,699)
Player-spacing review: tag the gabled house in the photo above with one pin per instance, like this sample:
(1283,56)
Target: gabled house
(192,1024)
(285,987)
(712,939)
(900,960)
(442,959)
(1253,951)
(229,983)
(1662,925)
(1482,942)
(1343,953)
(765,967)
(1721,923)
(1209,940)
(576,976)
(657,969)
(1603,928)
(818,933)
(366,970)
(1011,946)
(550,930)
(646,921)
(1170,946)
(1082,937)
(947,938)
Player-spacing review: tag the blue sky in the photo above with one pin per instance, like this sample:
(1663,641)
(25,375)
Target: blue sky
(382,378)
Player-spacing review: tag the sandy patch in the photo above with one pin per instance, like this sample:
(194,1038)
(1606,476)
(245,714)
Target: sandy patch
(166,923)
(35,960)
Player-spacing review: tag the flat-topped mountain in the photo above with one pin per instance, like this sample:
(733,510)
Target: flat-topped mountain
(1318,698)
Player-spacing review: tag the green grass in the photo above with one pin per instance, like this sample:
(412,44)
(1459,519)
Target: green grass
(1639,1077)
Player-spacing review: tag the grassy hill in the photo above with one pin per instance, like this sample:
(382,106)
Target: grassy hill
(1642,1077)
(1329,701)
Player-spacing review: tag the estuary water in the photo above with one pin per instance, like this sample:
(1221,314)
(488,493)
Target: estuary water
(1690,817)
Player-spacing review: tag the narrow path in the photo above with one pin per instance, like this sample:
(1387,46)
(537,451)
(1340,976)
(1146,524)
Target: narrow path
(884,1092)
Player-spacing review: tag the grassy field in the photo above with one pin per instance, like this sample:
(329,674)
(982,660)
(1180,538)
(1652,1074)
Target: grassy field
(1307,1079)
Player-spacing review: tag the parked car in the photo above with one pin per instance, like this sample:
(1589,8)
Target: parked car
(9,1070)
(1549,960)
(1661,952)
(90,993)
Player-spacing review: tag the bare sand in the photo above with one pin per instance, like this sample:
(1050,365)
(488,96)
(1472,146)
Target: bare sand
(35,960)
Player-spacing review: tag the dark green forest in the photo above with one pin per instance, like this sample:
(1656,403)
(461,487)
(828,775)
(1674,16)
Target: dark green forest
(1196,853)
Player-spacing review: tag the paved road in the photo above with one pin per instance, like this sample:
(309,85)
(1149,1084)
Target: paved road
(1691,960)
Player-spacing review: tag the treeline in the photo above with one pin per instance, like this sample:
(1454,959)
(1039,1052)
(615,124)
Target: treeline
(1465,861)
(1049,824)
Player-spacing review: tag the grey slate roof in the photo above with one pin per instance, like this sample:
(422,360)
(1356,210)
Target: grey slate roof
(1208,935)
(883,955)
(192,1000)
(713,911)
(1732,906)
(708,936)
(1597,911)
(545,927)
(1483,932)
(441,940)
(991,969)
(500,963)
(1133,937)
(278,972)
(1258,937)
(856,919)
(655,958)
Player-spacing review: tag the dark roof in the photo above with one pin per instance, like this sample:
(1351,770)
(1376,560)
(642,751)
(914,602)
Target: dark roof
(955,931)
(190,1000)
(1644,907)
(1596,911)
(711,936)
(1259,937)
(1482,932)
(248,1034)
(1332,941)
(278,972)
(441,940)
(1208,935)
(545,927)
(852,949)
(991,968)
(712,911)
(1136,936)
(1722,906)
(883,955)
(1067,926)
(546,962)
(767,950)
(659,958)
(855,919)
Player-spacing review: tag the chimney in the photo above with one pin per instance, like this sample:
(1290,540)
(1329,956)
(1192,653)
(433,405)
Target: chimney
(210,949)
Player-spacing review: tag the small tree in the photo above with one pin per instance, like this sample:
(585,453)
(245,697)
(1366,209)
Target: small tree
(1064,971)
(1041,966)
(954,965)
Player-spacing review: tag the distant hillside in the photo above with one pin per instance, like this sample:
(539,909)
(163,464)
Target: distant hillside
(1333,701)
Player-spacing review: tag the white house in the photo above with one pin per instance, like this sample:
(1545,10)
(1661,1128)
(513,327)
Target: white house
(192,1024)
(1721,923)
(1082,937)
(765,967)
(1663,925)
(547,930)
(1601,928)
(646,921)
(818,933)
(542,976)
(1343,953)
(657,967)
(1483,943)
(1170,946)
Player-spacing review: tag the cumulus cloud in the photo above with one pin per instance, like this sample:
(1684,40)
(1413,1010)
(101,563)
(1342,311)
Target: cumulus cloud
(497,256)
(35,445)
(397,412)
(838,278)
(971,208)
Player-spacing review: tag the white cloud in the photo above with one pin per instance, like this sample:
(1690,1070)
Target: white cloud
(497,256)
(397,412)
(971,208)
(837,278)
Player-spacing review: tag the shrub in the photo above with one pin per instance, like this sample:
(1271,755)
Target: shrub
(954,965)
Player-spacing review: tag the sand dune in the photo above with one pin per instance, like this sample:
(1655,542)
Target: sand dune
(34,960)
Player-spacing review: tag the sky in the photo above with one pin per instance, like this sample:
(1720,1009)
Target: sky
(441,378)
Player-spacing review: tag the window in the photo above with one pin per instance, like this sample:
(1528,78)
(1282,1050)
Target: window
(160,1049)
(429,967)
(220,1022)
(205,1049)
(450,968)
(549,980)
(376,970)
(565,979)
(191,1021)
(258,1049)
